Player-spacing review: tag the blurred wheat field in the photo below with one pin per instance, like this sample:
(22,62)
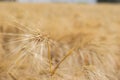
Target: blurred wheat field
(69,41)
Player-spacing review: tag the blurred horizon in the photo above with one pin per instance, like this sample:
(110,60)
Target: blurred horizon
(66,1)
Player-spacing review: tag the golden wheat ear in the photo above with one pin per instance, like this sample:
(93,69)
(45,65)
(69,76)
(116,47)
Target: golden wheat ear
(32,53)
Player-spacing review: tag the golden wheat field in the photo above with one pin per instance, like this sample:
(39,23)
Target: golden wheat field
(59,41)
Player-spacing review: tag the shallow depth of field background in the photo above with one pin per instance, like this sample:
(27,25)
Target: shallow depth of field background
(93,26)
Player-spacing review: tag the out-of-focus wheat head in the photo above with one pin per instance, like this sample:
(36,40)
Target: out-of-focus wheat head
(30,50)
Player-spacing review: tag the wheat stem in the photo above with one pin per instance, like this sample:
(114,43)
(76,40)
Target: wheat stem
(12,76)
(50,59)
(67,55)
